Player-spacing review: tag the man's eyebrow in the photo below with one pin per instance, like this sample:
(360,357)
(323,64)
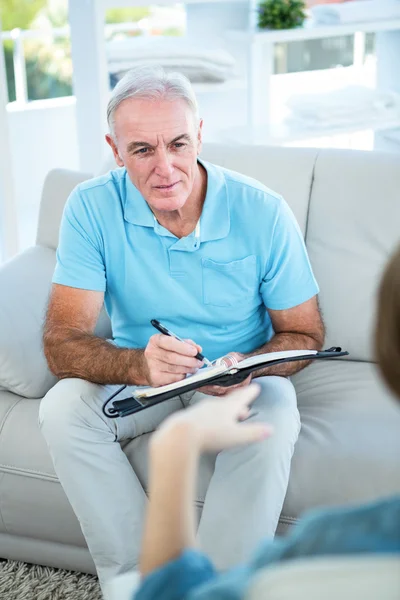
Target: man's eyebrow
(134,145)
(183,136)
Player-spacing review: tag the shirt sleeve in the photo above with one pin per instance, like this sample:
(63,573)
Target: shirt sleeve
(354,530)
(80,256)
(176,579)
(289,279)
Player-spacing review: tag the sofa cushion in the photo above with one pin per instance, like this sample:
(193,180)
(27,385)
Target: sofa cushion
(353,226)
(32,501)
(349,445)
(25,283)
(287,171)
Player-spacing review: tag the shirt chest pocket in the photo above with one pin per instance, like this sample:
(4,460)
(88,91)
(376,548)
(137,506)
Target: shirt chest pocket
(228,283)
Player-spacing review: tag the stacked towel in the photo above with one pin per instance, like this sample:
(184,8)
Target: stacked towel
(174,54)
(352,105)
(356,11)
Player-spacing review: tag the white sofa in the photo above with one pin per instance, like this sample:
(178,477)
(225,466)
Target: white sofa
(348,206)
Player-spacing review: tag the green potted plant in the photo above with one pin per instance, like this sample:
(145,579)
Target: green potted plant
(281,14)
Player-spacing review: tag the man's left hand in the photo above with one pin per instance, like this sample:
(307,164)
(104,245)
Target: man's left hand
(219,390)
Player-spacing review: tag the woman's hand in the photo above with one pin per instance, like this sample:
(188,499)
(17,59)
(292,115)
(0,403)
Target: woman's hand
(216,424)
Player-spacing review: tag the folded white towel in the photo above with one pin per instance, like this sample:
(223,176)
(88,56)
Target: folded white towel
(393,135)
(198,63)
(350,105)
(356,11)
(154,48)
(196,70)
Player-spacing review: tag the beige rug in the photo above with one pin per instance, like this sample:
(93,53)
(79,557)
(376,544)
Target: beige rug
(20,581)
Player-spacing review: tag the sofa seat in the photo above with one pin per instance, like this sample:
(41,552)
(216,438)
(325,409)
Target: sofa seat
(32,502)
(344,407)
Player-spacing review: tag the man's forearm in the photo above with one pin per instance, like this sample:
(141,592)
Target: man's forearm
(170,524)
(286,341)
(85,356)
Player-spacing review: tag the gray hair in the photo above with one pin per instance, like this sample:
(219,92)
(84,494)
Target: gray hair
(153,83)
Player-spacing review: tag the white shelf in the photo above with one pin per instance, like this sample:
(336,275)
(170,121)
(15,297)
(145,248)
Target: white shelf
(281,133)
(286,93)
(310,31)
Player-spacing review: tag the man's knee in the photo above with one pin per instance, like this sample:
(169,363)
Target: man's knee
(64,406)
(277,404)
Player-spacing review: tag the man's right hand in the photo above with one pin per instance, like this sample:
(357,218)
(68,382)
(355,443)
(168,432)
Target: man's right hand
(167,360)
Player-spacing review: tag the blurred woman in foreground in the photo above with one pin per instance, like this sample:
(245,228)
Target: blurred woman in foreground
(171,566)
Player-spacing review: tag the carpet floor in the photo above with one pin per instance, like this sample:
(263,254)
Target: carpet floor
(20,581)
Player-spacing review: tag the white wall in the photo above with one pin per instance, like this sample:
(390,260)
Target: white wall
(42,137)
(8,220)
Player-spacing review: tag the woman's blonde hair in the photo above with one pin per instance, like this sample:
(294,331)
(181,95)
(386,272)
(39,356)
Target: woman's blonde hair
(387,329)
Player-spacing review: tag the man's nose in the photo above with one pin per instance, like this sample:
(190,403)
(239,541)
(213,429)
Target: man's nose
(164,166)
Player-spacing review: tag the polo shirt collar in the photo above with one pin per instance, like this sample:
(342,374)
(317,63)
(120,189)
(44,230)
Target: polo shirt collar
(136,209)
(215,216)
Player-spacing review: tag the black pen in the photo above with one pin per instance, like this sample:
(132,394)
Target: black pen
(166,331)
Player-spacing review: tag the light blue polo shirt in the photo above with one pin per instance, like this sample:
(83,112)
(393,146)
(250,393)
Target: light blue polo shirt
(215,288)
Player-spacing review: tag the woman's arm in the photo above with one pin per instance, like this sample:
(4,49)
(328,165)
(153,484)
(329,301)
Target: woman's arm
(170,523)
(210,425)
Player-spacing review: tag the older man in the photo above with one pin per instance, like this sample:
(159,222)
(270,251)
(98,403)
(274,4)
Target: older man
(214,255)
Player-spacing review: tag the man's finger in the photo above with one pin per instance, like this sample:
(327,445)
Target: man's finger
(188,341)
(166,342)
(177,368)
(214,390)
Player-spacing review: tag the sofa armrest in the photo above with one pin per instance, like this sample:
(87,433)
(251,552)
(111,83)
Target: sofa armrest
(25,284)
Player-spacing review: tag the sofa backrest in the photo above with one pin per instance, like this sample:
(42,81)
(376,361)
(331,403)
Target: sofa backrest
(287,171)
(347,205)
(57,186)
(353,226)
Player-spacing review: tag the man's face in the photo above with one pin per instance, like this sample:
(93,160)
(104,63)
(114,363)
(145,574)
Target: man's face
(158,143)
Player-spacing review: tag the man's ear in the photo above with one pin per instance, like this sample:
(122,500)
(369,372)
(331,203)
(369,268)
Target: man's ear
(200,136)
(114,148)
